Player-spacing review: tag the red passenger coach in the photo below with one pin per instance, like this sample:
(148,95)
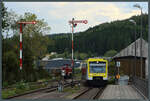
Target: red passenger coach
(84,70)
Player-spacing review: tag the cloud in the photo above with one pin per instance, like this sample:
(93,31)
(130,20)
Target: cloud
(91,10)
(95,12)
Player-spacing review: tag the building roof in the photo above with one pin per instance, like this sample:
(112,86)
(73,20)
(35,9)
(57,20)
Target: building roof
(130,50)
(50,64)
(45,58)
(128,57)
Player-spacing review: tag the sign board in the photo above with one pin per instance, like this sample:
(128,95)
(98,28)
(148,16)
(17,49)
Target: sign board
(118,63)
(118,76)
(78,21)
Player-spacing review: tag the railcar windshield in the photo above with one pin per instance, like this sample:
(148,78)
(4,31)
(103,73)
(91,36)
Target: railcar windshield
(97,67)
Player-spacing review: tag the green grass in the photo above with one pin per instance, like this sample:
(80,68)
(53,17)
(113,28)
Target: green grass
(8,93)
(20,89)
(78,73)
(71,90)
(78,76)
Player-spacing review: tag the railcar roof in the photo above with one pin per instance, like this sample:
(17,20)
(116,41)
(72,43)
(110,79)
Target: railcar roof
(96,59)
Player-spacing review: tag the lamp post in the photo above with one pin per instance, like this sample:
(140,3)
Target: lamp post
(132,21)
(138,6)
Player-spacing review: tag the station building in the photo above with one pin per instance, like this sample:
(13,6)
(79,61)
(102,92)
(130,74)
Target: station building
(126,57)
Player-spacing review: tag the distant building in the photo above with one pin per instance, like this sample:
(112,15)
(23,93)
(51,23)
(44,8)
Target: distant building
(126,58)
(45,58)
(53,53)
(57,63)
(57,59)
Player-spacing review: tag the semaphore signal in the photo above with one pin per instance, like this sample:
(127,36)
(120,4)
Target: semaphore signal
(78,21)
(21,25)
(74,24)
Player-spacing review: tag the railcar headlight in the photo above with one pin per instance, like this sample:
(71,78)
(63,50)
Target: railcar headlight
(90,74)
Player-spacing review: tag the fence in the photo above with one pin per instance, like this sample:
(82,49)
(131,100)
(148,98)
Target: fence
(141,85)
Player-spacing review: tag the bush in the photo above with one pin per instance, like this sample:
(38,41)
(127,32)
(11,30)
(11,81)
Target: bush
(111,68)
(77,70)
(5,84)
(110,53)
(111,80)
(21,85)
(8,93)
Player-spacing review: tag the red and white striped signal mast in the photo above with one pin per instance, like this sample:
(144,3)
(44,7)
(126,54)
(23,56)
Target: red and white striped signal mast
(21,32)
(74,24)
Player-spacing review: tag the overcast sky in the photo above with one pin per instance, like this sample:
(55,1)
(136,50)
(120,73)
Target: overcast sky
(57,14)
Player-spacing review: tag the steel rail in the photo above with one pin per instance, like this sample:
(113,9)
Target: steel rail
(42,89)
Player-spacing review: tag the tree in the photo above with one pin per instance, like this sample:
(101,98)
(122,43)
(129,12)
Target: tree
(101,38)
(34,47)
(4,13)
(33,35)
(110,53)
(83,56)
(77,55)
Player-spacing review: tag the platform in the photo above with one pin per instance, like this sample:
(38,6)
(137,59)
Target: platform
(120,92)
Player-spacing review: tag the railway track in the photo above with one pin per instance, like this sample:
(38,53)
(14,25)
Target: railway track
(90,93)
(42,90)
